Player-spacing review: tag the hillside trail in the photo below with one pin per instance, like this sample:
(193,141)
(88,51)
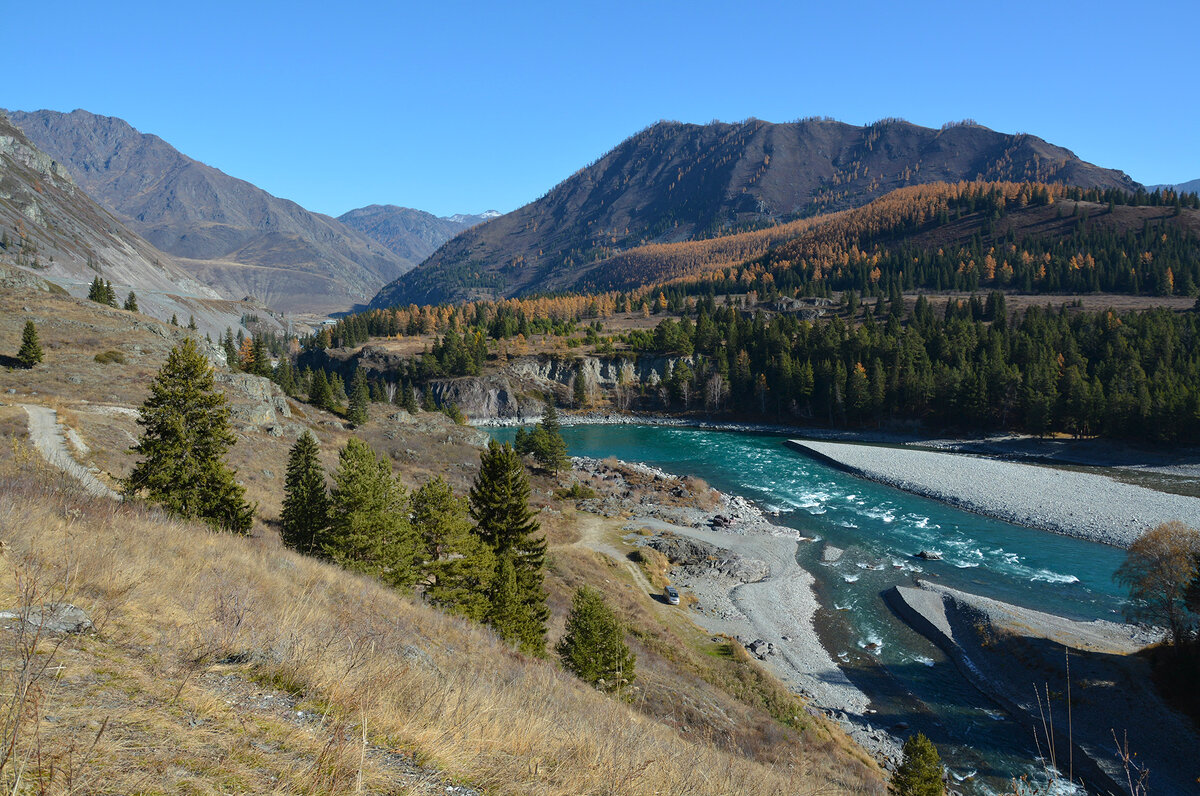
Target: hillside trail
(50,441)
(592,537)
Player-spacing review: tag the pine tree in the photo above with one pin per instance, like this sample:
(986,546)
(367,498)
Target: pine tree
(458,567)
(31,349)
(192,322)
(579,389)
(319,394)
(338,388)
(131,302)
(96,292)
(593,646)
(260,358)
(360,399)
(284,375)
(174,319)
(920,773)
(185,437)
(110,295)
(369,530)
(231,351)
(305,515)
(499,502)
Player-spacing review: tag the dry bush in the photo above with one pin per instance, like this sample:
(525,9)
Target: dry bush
(183,602)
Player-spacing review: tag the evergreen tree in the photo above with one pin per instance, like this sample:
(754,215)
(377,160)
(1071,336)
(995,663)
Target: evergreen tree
(499,502)
(31,349)
(305,514)
(131,302)
(192,322)
(506,611)
(410,400)
(369,530)
(110,295)
(920,773)
(231,351)
(593,646)
(174,319)
(185,437)
(96,292)
(579,389)
(427,402)
(458,567)
(338,388)
(319,394)
(260,358)
(360,399)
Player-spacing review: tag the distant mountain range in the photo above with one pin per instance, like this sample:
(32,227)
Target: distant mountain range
(675,182)
(228,233)
(411,234)
(1191,186)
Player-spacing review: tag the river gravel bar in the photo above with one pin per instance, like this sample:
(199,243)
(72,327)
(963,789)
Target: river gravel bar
(1084,505)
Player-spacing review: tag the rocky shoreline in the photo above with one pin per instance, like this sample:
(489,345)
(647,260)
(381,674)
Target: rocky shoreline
(1083,505)
(742,571)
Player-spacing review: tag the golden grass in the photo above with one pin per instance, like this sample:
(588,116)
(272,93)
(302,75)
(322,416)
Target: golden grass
(172,601)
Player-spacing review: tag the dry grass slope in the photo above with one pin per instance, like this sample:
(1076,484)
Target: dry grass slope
(183,616)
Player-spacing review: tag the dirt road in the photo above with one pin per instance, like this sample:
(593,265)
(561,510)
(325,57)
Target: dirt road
(47,437)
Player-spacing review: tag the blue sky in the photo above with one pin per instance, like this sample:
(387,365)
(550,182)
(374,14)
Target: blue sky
(468,106)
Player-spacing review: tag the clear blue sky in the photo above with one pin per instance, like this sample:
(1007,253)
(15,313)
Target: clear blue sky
(462,107)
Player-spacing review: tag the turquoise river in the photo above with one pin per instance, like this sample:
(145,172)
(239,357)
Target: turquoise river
(907,678)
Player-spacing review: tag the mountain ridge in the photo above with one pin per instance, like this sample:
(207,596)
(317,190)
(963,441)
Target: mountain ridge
(410,233)
(199,213)
(673,181)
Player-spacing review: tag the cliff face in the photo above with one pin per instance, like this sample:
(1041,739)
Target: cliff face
(516,390)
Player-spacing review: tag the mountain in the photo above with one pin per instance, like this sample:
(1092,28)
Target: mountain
(53,235)
(230,234)
(411,234)
(674,182)
(1191,186)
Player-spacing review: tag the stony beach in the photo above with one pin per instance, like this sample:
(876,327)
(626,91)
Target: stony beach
(1084,505)
(771,615)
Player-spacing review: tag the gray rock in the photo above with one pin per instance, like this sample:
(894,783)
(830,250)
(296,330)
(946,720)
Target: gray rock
(55,618)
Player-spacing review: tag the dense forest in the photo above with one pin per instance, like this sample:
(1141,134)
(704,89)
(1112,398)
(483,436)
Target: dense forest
(977,366)
(880,360)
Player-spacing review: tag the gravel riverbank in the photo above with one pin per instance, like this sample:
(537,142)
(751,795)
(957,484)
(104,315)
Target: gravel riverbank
(1083,505)
(777,610)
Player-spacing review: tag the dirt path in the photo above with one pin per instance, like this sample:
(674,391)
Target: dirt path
(591,536)
(47,437)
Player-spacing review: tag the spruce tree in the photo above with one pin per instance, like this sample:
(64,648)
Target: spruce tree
(499,502)
(231,351)
(110,295)
(319,394)
(458,567)
(131,302)
(96,291)
(369,530)
(410,400)
(305,515)
(284,375)
(360,399)
(338,388)
(920,773)
(593,646)
(185,437)
(506,611)
(174,319)
(192,323)
(31,349)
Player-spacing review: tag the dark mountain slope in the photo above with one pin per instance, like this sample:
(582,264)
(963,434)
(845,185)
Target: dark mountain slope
(411,234)
(674,182)
(199,213)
